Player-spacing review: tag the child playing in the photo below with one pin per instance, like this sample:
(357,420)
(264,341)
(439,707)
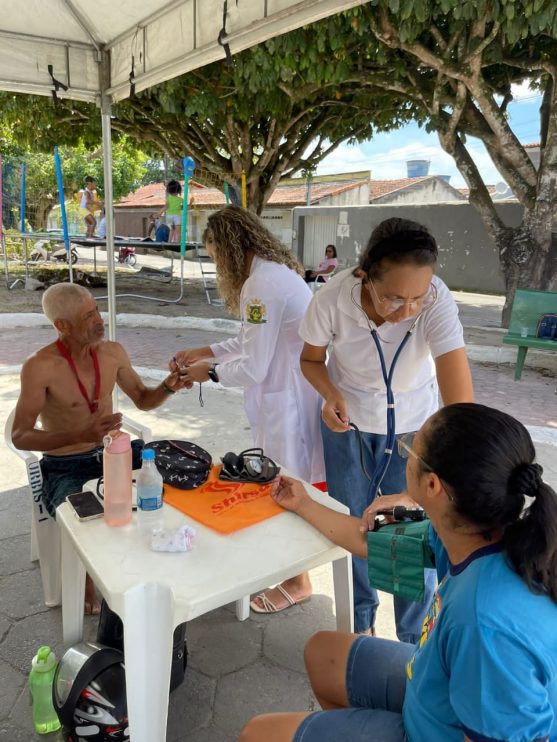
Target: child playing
(89,204)
(173,209)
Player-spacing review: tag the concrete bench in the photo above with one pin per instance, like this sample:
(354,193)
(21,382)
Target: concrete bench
(528,306)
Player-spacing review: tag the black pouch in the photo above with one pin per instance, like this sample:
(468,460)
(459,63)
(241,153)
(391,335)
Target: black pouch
(250,465)
(181,464)
(110,632)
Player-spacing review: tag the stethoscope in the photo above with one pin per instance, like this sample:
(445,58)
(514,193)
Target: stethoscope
(380,471)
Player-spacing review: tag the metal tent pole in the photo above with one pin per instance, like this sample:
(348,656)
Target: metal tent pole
(109,215)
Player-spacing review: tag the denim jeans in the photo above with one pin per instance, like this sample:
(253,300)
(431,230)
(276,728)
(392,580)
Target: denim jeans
(375,686)
(347,484)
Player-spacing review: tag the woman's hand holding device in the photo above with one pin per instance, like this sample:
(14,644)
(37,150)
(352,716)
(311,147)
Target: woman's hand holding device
(384,502)
(184,358)
(335,414)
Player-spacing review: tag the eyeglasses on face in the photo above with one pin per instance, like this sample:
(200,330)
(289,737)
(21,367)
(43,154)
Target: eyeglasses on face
(404,444)
(390,305)
(405,450)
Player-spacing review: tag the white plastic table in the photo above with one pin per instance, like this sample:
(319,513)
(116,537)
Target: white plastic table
(154,592)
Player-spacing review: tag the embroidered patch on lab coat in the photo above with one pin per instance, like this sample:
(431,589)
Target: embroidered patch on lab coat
(256,312)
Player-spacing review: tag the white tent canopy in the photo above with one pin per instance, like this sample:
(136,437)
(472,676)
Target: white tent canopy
(164,39)
(99,49)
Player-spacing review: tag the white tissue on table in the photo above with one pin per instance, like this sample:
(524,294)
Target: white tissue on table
(180,540)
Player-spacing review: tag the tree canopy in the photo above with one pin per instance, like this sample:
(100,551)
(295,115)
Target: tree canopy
(279,109)
(457,61)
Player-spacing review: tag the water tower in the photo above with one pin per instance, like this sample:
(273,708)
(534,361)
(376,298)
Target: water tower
(417,168)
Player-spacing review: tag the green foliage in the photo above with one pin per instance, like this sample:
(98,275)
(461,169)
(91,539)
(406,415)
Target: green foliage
(519,19)
(161,170)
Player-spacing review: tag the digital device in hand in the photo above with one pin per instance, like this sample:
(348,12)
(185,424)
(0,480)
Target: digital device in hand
(397,514)
(85,505)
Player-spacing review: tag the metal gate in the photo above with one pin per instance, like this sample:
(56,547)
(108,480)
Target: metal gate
(319,231)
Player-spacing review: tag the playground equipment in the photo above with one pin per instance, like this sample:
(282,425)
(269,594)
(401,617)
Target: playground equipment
(22,222)
(22,244)
(188,164)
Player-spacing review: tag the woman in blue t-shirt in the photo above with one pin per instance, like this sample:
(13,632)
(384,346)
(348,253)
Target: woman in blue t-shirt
(485,668)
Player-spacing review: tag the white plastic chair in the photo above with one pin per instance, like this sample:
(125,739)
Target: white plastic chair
(314,285)
(45,536)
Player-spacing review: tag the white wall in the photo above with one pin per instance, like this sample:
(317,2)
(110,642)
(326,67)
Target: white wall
(427,192)
(468,258)
(279,223)
(352,197)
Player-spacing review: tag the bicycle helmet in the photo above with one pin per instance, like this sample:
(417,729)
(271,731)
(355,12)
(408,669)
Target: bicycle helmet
(89,694)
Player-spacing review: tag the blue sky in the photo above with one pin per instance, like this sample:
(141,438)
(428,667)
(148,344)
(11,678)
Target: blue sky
(387,153)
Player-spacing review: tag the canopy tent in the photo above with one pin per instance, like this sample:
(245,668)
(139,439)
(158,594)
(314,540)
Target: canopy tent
(102,51)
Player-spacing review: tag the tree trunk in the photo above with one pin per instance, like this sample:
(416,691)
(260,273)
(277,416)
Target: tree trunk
(255,197)
(528,255)
(40,217)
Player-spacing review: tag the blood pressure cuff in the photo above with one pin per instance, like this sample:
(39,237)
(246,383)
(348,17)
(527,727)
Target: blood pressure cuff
(397,555)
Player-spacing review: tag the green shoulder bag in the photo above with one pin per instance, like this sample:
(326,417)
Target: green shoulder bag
(397,555)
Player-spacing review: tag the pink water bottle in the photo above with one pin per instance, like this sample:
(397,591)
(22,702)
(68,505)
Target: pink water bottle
(117,470)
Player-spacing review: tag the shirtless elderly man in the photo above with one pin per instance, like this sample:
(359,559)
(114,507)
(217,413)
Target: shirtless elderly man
(68,385)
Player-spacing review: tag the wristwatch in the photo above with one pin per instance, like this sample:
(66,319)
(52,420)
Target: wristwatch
(212,372)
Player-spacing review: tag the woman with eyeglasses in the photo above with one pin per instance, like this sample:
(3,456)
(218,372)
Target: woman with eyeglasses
(485,668)
(392,308)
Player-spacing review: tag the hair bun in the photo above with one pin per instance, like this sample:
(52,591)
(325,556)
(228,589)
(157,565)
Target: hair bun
(526,479)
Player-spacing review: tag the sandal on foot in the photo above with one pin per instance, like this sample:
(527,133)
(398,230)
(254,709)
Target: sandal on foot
(269,607)
(91,608)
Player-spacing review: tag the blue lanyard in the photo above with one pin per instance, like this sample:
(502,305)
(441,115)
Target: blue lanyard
(375,481)
(381,470)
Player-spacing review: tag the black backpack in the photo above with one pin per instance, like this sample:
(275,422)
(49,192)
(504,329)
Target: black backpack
(110,632)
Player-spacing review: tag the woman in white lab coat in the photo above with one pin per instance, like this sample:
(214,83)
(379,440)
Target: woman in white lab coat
(261,280)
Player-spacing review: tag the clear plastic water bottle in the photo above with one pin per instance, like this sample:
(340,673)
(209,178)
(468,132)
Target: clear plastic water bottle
(41,678)
(149,496)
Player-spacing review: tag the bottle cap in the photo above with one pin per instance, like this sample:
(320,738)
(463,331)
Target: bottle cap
(117,442)
(44,660)
(148,454)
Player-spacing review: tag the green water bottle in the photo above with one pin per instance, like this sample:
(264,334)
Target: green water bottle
(41,678)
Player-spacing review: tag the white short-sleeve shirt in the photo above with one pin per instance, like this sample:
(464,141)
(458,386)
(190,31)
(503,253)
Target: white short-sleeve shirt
(335,319)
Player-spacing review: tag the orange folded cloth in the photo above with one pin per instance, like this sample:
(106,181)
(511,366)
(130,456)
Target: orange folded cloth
(225,507)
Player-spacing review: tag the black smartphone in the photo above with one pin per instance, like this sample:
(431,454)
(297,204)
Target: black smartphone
(86,505)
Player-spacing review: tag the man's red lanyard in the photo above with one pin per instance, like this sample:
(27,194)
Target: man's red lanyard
(94,405)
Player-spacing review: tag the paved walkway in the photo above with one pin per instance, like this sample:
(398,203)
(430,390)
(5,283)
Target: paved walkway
(532,400)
